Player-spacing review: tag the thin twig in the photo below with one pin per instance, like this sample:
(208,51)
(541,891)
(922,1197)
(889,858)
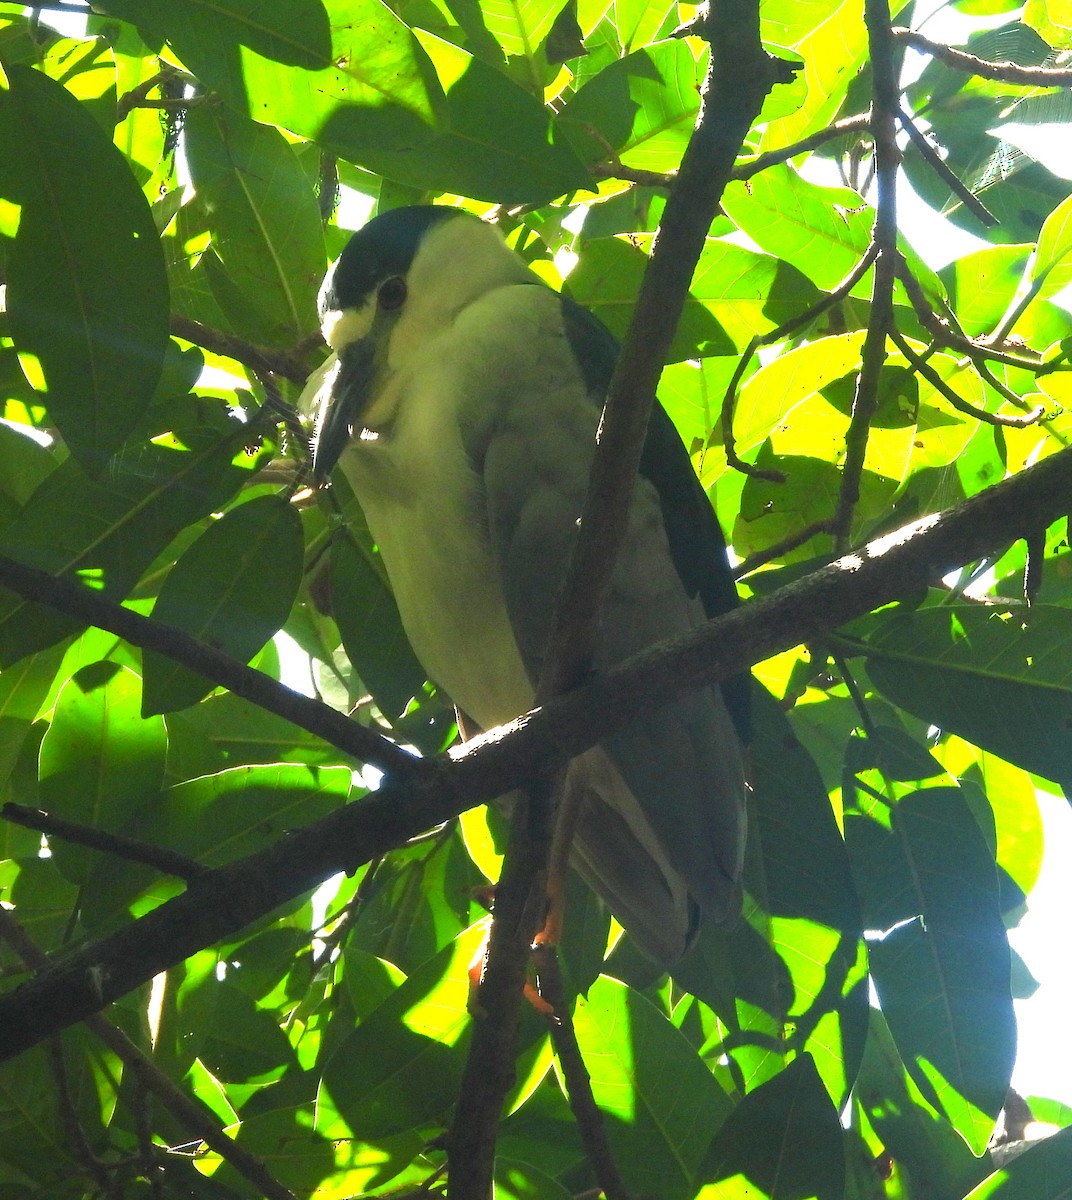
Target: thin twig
(197,1118)
(957,401)
(964,194)
(762,557)
(1003,390)
(642,178)
(290,366)
(856,695)
(72,1127)
(157,857)
(729,400)
(1003,72)
(884,106)
(942,330)
(582,1102)
(861,123)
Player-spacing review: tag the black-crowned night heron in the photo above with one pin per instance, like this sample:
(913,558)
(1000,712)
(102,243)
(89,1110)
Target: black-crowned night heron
(461,403)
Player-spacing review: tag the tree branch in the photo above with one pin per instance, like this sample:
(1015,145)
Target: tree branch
(264,691)
(1003,72)
(229,898)
(260,359)
(938,165)
(199,1120)
(158,857)
(861,123)
(920,365)
(884,107)
(582,1102)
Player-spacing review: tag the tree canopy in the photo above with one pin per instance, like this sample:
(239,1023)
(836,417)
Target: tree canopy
(238,904)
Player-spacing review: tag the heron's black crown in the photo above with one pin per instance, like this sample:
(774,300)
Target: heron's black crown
(384,247)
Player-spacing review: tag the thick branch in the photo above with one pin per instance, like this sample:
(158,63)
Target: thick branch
(899,565)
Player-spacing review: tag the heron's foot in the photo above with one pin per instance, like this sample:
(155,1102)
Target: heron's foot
(485,896)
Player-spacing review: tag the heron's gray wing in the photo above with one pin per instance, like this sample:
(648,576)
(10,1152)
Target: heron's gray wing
(661,828)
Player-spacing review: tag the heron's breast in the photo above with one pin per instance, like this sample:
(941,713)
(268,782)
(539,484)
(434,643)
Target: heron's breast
(426,513)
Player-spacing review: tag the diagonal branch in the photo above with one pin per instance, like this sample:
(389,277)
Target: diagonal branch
(1003,72)
(229,898)
(312,715)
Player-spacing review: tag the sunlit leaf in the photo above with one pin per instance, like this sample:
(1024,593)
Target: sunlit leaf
(661,1104)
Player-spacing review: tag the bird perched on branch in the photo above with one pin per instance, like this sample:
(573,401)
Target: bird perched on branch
(461,403)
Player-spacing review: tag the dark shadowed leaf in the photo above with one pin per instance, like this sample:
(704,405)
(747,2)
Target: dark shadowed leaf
(106,532)
(294,32)
(232,589)
(86,290)
(266,231)
(1001,679)
(782,1142)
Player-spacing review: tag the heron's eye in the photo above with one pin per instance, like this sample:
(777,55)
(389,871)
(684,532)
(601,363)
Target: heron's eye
(393,292)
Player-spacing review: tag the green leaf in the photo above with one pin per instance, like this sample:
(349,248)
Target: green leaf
(1000,679)
(982,285)
(519,26)
(1041,1173)
(106,532)
(522,1181)
(232,589)
(771,512)
(735,293)
(266,230)
(639,22)
(100,763)
(375,100)
(219,818)
(660,1103)
(942,974)
(831,38)
(932,1159)
(411,1050)
(1051,270)
(86,290)
(418,902)
(947,999)
(294,32)
(782,1142)
(641,109)
(806,868)
(24,465)
(822,231)
(241,1042)
(227,731)
(371,629)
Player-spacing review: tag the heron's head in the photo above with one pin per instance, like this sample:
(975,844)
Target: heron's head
(401,279)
